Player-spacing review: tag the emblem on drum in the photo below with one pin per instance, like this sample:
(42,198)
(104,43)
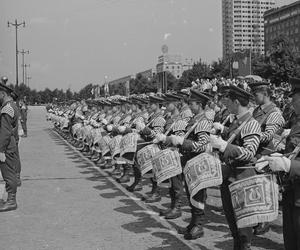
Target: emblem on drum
(255,199)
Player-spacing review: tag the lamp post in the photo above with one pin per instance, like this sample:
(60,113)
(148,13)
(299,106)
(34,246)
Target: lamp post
(16,25)
(23,63)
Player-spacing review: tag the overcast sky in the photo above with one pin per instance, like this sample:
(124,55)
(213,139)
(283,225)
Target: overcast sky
(76,42)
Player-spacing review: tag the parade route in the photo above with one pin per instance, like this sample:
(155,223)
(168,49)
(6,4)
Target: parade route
(66,202)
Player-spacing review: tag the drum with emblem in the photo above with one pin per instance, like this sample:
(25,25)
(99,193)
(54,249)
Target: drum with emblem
(144,157)
(166,164)
(202,171)
(114,146)
(128,147)
(255,199)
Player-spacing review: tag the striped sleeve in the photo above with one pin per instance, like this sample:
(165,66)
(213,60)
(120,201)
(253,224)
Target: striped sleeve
(180,125)
(202,131)
(274,122)
(157,127)
(126,120)
(250,136)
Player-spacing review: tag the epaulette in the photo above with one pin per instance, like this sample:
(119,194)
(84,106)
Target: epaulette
(8,109)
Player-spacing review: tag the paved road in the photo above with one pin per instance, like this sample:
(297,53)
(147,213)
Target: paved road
(66,203)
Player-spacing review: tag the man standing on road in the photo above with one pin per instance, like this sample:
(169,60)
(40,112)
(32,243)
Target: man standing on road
(23,111)
(8,125)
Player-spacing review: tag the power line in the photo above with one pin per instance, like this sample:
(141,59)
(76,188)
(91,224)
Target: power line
(16,25)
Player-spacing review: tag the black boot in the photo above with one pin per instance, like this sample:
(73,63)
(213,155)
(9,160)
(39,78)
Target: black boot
(19,182)
(10,204)
(125,177)
(136,185)
(196,230)
(261,228)
(185,230)
(117,170)
(154,195)
(95,157)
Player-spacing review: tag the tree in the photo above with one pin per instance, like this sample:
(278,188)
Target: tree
(280,64)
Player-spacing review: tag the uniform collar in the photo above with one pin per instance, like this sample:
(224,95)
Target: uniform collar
(242,117)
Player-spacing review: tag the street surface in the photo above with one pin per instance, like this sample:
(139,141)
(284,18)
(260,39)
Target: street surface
(66,202)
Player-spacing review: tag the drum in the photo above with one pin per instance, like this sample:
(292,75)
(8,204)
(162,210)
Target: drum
(114,146)
(128,147)
(144,157)
(255,199)
(201,172)
(102,146)
(166,164)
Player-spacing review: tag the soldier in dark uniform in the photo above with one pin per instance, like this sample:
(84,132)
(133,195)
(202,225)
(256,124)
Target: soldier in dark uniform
(291,194)
(236,154)
(8,126)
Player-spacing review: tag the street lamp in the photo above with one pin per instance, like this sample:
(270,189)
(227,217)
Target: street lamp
(23,63)
(16,25)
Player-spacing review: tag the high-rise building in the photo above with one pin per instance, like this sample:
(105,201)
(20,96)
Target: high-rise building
(283,21)
(243,25)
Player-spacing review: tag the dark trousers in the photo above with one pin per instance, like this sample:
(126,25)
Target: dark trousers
(197,213)
(18,161)
(24,126)
(243,234)
(291,221)
(8,171)
(176,191)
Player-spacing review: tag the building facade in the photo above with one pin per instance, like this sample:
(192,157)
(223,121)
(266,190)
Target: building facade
(283,21)
(173,64)
(243,25)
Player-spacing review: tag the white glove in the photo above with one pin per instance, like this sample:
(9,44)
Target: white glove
(176,140)
(109,128)
(104,121)
(218,143)
(218,126)
(21,132)
(285,133)
(2,157)
(160,138)
(121,129)
(279,164)
(140,126)
(261,164)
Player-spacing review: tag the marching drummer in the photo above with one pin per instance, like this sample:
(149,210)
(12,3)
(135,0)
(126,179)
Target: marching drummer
(190,147)
(175,124)
(236,154)
(291,165)
(269,117)
(156,126)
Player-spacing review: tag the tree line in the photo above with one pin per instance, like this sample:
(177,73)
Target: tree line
(280,64)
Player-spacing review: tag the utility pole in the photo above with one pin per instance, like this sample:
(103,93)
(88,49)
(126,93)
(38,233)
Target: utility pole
(28,78)
(25,67)
(23,63)
(16,25)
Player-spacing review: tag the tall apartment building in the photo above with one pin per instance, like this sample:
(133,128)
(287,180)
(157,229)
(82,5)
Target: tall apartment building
(283,21)
(243,25)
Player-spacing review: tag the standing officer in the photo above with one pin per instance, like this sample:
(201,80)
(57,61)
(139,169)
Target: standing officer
(236,154)
(291,194)
(8,126)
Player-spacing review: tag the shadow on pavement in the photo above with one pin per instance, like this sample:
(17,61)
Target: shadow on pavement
(213,220)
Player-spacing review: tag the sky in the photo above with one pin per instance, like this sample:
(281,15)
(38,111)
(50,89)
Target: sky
(76,42)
